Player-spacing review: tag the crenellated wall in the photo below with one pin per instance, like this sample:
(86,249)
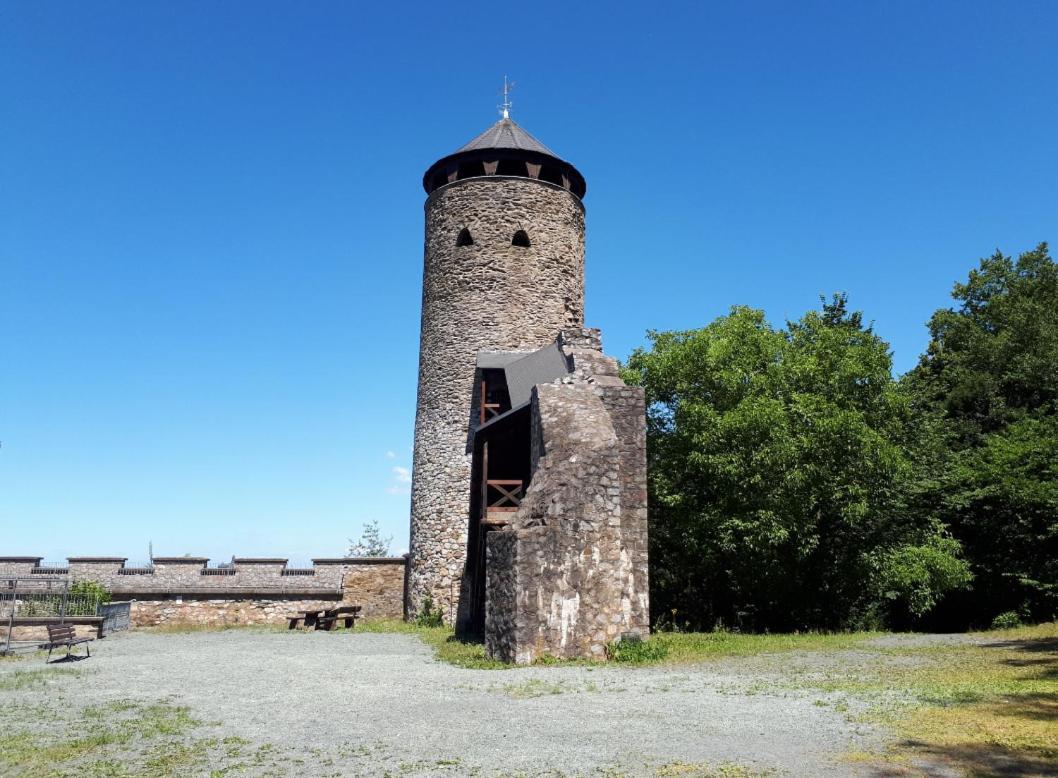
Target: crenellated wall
(251,591)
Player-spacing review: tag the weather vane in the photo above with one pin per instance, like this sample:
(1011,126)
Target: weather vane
(505,108)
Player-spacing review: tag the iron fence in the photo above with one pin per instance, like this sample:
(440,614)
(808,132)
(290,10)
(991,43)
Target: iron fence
(39,596)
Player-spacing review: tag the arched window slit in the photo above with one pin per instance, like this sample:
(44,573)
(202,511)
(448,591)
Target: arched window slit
(520,239)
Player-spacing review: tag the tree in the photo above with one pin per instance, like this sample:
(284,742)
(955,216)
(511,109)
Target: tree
(994,359)
(989,383)
(371,542)
(777,476)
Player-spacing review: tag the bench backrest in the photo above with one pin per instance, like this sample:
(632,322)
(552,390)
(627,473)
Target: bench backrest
(57,632)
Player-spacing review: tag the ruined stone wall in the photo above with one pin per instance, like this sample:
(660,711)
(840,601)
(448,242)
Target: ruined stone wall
(626,408)
(569,575)
(486,296)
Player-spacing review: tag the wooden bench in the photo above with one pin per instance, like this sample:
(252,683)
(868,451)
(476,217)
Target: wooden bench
(330,618)
(97,622)
(64,635)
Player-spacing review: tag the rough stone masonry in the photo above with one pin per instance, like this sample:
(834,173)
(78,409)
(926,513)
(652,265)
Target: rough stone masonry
(542,542)
(569,574)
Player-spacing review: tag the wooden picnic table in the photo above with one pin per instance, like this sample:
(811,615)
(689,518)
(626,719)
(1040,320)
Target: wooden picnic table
(310,617)
(326,618)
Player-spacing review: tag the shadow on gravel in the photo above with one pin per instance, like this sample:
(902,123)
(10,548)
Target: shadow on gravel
(1049,664)
(1011,730)
(980,760)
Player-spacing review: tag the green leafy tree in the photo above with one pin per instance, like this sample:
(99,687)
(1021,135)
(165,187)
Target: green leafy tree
(371,542)
(778,476)
(988,388)
(988,384)
(994,358)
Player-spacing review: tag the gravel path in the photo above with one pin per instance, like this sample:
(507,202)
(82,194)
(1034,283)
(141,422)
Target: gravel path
(380,702)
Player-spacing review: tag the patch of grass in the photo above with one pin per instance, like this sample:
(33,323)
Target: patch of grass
(700,770)
(986,706)
(187,627)
(689,647)
(668,648)
(21,655)
(533,687)
(35,679)
(103,740)
(637,652)
(178,758)
(446,646)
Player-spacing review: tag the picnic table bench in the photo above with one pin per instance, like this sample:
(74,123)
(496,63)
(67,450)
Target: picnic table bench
(325,618)
(330,619)
(64,635)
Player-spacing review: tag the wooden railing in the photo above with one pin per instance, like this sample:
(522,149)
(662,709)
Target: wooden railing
(510,493)
(488,410)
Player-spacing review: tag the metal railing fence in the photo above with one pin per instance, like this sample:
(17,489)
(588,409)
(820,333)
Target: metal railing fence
(39,596)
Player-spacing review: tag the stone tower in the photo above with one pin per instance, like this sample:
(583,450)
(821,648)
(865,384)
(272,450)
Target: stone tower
(503,272)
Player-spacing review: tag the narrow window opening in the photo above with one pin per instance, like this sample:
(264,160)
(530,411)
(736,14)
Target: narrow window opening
(520,239)
(464,238)
(471,170)
(551,174)
(511,167)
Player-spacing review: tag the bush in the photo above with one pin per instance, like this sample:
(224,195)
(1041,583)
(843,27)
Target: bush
(1006,620)
(636,651)
(85,597)
(428,615)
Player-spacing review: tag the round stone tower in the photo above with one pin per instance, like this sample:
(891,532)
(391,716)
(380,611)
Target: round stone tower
(503,272)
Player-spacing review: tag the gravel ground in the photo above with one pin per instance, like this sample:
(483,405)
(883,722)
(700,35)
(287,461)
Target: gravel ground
(363,704)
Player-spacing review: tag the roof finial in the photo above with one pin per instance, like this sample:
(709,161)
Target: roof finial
(505,109)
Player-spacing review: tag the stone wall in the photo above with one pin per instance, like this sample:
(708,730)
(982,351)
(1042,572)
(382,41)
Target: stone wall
(220,612)
(569,574)
(253,591)
(489,296)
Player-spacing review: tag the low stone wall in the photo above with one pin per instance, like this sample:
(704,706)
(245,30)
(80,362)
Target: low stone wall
(186,590)
(377,588)
(219,613)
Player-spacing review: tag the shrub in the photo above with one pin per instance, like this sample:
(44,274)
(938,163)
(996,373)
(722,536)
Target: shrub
(1006,620)
(85,597)
(636,651)
(428,615)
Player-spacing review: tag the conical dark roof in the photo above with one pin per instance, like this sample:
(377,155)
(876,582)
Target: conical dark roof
(503,142)
(505,134)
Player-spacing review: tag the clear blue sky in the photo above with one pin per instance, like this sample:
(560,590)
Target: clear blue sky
(211,220)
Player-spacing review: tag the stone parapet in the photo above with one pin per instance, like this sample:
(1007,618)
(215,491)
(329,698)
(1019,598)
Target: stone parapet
(252,590)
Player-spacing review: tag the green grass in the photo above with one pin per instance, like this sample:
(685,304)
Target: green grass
(699,770)
(690,647)
(35,679)
(985,708)
(446,646)
(91,735)
(186,627)
(978,707)
(663,648)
